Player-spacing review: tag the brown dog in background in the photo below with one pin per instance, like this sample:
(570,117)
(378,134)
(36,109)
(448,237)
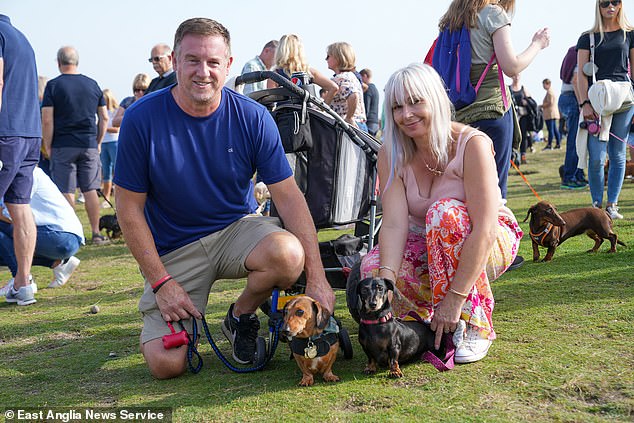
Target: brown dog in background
(314,351)
(549,228)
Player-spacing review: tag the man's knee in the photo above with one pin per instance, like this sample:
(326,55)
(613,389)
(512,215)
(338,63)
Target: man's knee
(164,364)
(283,252)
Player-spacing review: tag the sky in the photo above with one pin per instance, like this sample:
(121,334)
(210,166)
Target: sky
(114,38)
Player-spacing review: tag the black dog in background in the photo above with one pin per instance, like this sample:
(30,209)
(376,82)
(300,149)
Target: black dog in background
(111,225)
(109,222)
(386,340)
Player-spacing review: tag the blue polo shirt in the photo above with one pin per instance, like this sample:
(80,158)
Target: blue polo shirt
(196,171)
(20,112)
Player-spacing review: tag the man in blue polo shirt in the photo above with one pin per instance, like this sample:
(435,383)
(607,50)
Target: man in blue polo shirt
(20,138)
(186,205)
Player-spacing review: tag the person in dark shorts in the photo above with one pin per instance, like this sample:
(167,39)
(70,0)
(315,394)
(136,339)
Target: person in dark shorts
(20,140)
(72,138)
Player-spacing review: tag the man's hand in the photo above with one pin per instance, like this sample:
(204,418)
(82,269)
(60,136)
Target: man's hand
(321,291)
(174,303)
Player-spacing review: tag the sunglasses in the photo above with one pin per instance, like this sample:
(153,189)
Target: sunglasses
(138,89)
(156,58)
(605,4)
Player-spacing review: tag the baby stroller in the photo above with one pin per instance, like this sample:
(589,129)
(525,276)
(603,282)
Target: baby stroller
(334,165)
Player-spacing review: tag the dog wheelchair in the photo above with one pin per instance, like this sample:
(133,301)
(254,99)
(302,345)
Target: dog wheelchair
(334,165)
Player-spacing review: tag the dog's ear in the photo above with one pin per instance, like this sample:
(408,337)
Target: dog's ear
(531,210)
(389,284)
(394,292)
(322,316)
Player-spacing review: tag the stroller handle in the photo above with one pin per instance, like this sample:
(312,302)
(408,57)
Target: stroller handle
(251,77)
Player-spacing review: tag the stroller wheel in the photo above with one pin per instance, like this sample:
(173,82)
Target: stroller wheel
(344,342)
(351,291)
(260,352)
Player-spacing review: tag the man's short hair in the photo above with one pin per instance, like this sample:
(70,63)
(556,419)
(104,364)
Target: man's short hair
(271,44)
(203,27)
(67,55)
(366,72)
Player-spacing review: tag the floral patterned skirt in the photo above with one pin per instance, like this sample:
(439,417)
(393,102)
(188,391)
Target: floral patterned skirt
(431,258)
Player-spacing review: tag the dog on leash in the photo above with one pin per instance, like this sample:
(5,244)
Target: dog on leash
(314,350)
(549,229)
(387,341)
(110,223)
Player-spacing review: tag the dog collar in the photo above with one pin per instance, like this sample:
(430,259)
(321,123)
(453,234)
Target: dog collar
(539,237)
(382,319)
(322,344)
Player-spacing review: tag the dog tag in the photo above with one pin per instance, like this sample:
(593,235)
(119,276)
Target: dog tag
(310,351)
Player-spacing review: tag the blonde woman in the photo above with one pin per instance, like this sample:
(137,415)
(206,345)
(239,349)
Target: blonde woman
(290,58)
(140,84)
(348,102)
(108,152)
(446,232)
(614,53)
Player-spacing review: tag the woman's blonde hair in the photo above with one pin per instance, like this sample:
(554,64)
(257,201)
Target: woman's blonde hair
(111,102)
(624,24)
(290,55)
(141,80)
(343,53)
(407,85)
(465,12)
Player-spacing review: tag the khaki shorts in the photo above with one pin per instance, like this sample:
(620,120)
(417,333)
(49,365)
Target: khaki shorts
(196,266)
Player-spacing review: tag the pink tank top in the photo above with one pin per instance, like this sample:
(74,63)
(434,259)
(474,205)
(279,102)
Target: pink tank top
(448,185)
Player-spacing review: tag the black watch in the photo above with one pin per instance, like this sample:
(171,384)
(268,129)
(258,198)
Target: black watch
(583,103)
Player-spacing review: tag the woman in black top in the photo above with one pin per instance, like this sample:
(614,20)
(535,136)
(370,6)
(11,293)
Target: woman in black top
(613,50)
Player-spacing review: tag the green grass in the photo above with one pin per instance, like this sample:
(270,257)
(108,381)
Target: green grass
(564,350)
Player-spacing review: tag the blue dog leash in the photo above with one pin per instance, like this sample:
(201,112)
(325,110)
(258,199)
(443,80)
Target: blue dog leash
(275,323)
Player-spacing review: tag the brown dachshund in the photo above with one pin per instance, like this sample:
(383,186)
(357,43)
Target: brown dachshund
(314,351)
(549,228)
(629,170)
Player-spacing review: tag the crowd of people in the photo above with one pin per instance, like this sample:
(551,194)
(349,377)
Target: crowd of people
(434,160)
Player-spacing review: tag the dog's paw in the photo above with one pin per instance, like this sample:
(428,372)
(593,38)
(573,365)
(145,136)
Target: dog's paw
(396,374)
(307,381)
(331,377)
(369,370)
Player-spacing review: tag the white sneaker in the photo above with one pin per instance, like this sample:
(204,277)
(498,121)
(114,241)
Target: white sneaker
(471,346)
(63,271)
(9,285)
(23,296)
(80,198)
(105,205)
(613,211)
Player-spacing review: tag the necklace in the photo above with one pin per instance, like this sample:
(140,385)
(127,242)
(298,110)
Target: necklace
(434,171)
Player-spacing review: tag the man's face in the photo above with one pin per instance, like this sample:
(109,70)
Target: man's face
(268,57)
(202,64)
(161,62)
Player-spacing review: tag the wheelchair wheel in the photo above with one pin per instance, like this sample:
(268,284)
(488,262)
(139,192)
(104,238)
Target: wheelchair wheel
(351,291)
(344,343)
(260,352)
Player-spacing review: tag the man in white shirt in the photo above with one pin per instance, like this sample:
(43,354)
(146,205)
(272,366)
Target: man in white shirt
(264,61)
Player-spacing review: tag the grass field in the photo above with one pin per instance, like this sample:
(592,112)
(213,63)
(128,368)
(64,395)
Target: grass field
(565,347)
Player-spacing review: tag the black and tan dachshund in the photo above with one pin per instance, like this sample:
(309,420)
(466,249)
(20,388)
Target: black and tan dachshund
(386,340)
(110,223)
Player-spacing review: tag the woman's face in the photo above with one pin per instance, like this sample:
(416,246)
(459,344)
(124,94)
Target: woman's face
(609,9)
(332,62)
(413,118)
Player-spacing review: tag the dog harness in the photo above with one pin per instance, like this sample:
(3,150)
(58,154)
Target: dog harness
(539,237)
(314,347)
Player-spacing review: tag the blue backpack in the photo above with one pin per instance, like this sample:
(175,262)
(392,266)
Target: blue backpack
(452,61)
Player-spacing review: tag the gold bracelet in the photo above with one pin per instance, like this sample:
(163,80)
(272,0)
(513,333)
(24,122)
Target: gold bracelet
(388,268)
(461,294)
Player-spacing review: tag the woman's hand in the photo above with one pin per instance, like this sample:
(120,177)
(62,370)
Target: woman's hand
(588,112)
(542,38)
(446,316)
